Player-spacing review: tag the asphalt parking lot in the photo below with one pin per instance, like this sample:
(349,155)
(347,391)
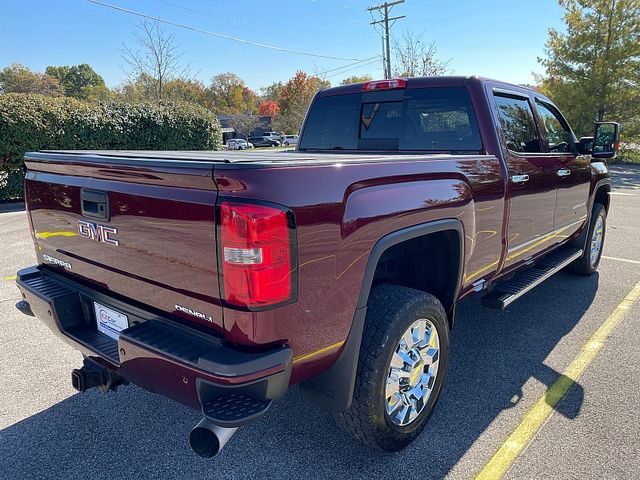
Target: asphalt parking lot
(502,363)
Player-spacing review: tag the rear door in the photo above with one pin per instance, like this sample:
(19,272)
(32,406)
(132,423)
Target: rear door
(140,228)
(532,177)
(573,170)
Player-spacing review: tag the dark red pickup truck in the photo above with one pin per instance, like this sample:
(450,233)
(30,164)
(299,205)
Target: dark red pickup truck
(219,279)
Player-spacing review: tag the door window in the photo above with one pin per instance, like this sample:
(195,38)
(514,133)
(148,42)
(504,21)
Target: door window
(518,124)
(558,135)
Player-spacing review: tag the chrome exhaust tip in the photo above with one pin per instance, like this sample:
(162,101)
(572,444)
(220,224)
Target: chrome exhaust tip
(207,439)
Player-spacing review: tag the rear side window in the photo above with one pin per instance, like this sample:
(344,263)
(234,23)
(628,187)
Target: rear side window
(558,134)
(429,119)
(518,125)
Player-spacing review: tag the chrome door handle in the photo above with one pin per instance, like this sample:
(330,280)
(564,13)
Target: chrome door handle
(519,178)
(564,172)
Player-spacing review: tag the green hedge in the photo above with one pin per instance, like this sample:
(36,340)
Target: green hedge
(33,122)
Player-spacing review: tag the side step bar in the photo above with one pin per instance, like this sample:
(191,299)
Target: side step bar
(508,292)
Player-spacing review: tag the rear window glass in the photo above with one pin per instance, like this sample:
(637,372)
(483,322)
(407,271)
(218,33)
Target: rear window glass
(518,126)
(429,119)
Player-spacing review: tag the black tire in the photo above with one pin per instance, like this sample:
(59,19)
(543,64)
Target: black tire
(584,265)
(391,311)
(286,144)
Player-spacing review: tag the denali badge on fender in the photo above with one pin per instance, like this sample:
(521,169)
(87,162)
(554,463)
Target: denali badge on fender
(99,233)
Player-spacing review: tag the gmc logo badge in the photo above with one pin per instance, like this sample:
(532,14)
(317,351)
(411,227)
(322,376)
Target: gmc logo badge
(99,233)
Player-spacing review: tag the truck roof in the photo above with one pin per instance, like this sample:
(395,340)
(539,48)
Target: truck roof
(424,82)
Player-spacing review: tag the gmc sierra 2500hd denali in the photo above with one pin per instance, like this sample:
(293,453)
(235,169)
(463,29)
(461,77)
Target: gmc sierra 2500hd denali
(219,279)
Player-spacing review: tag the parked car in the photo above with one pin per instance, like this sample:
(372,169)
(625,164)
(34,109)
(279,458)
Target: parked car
(238,144)
(264,142)
(273,136)
(289,140)
(220,280)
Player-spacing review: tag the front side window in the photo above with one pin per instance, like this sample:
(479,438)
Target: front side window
(558,135)
(518,124)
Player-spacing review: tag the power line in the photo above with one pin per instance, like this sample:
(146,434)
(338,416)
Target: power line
(375,58)
(218,35)
(334,5)
(354,68)
(248,24)
(385,9)
(307,14)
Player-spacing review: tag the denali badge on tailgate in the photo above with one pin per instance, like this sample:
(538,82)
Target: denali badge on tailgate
(99,233)
(194,313)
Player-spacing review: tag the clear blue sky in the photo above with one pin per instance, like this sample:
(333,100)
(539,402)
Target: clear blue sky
(494,38)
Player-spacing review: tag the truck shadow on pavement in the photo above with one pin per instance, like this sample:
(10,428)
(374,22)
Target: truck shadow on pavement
(625,176)
(134,433)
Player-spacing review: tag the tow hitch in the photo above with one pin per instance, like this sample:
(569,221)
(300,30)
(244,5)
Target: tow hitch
(92,375)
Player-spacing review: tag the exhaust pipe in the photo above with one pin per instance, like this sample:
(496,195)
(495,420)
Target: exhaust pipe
(207,439)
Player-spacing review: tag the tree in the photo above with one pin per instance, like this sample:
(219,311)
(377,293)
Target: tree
(230,95)
(356,79)
(190,91)
(79,81)
(244,125)
(593,70)
(294,100)
(17,78)
(272,92)
(157,58)
(268,108)
(413,57)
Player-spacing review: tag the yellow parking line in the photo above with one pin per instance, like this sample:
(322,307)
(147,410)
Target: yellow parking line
(55,234)
(307,356)
(9,278)
(540,412)
(627,260)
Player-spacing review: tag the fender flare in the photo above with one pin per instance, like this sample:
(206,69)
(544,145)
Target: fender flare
(581,240)
(333,388)
(600,183)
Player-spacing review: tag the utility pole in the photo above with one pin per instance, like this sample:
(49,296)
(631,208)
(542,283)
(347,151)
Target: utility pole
(387,22)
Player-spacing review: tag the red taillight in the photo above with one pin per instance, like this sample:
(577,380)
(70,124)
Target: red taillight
(385,84)
(256,255)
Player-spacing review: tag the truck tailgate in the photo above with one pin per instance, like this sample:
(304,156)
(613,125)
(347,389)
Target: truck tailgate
(141,228)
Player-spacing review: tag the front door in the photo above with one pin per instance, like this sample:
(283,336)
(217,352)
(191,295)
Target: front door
(573,170)
(532,179)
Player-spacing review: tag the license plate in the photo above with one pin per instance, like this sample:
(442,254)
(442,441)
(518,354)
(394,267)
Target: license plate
(110,322)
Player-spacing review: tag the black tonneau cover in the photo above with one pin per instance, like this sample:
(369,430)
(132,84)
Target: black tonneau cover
(198,158)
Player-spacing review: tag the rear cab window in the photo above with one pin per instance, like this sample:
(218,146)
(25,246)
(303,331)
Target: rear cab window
(436,119)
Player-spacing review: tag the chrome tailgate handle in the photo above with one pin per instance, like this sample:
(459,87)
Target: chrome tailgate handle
(519,178)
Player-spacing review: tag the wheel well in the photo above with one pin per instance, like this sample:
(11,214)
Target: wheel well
(430,263)
(602,196)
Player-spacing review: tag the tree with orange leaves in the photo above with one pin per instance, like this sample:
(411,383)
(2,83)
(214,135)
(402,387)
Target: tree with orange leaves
(268,108)
(294,100)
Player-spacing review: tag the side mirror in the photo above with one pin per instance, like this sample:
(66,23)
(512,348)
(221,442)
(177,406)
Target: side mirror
(606,140)
(585,145)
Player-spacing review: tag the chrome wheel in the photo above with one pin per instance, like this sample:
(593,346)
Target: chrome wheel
(596,240)
(412,373)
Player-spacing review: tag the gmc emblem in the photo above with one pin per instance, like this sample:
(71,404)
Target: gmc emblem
(99,233)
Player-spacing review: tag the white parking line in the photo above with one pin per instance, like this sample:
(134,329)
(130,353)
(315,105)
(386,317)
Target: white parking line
(626,260)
